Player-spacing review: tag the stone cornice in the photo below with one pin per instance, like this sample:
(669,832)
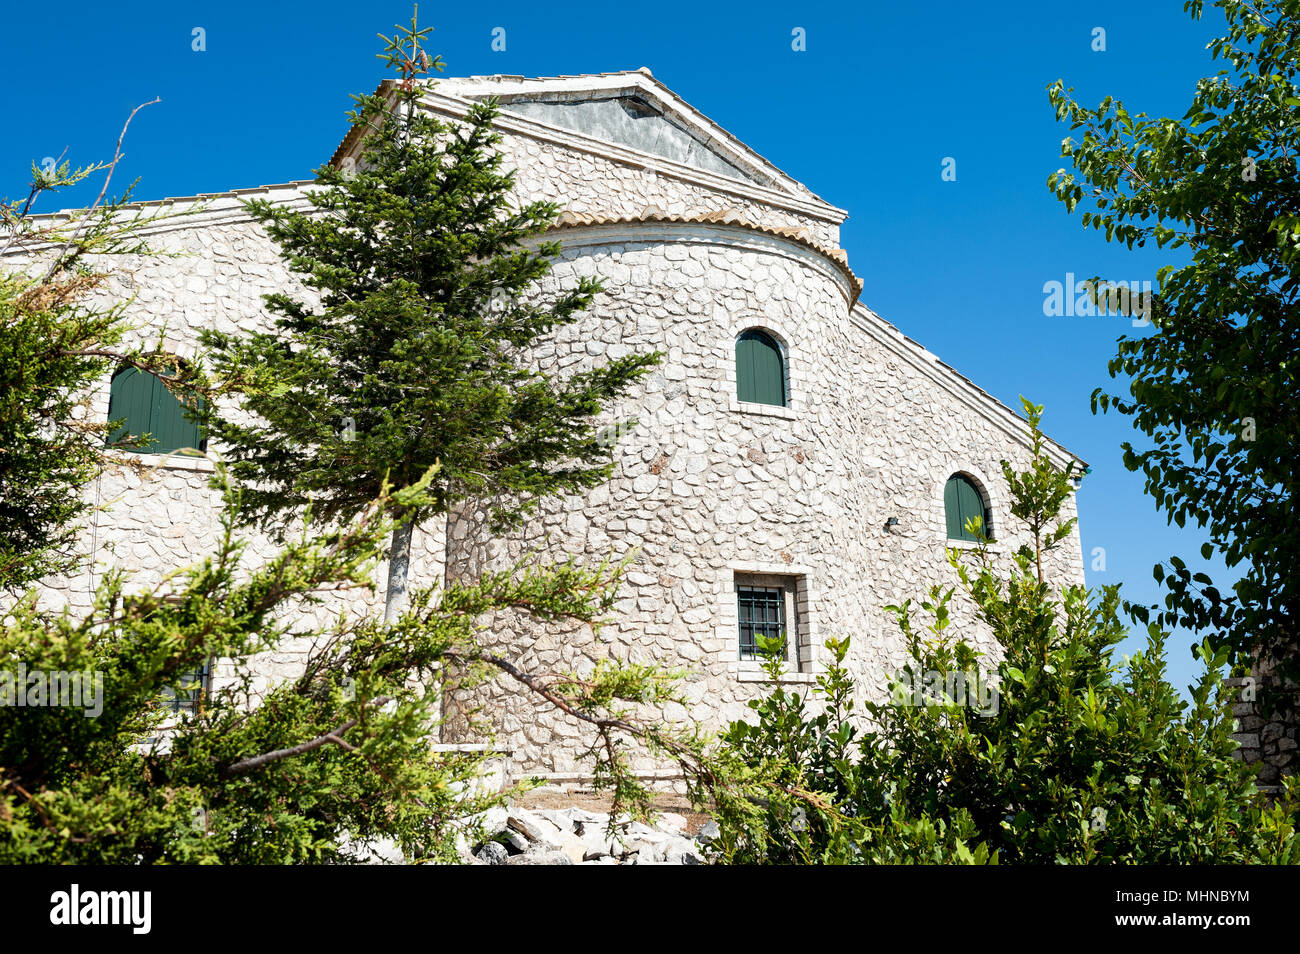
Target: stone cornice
(733,218)
(206,208)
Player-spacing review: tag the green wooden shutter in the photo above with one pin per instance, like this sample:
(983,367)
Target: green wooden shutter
(760,371)
(961,502)
(952,507)
(972,505)
(145,406)
(171,427)
(130,402)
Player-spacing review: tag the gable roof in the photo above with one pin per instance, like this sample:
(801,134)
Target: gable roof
(628,116)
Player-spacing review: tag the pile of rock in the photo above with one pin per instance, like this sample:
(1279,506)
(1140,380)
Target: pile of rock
(574,836)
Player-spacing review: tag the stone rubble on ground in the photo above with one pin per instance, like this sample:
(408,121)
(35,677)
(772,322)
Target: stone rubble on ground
(575,836)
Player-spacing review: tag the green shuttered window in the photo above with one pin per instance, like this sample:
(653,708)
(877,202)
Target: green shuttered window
(961,501)
(141,404)
(760,369)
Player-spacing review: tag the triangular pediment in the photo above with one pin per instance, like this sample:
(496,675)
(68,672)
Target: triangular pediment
(632,121)
(634,115)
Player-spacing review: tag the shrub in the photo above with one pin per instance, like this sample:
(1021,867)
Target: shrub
(1057,753)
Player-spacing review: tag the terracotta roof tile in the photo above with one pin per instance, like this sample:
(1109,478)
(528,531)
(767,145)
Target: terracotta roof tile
(653,214)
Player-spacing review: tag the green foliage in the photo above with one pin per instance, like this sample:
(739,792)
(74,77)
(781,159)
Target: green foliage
(1213,386)
(321,766)
(312,769)
(1055,754)
(55,344)
(427,272)
(809,802)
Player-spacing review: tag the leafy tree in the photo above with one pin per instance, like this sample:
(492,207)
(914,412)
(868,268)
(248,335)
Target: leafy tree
(416,353)
(1214,386)
(1057,753)
(56,342)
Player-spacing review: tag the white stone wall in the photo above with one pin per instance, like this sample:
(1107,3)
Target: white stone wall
(704,487)
(156,513)
(583,182)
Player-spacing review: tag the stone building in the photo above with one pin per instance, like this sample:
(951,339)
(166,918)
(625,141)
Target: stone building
(798,462)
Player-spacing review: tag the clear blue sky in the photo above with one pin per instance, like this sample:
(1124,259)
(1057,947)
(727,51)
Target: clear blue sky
(864,117)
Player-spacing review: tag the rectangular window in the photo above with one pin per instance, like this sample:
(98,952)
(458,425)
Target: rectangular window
(769,605)
(761,610)
(186,699)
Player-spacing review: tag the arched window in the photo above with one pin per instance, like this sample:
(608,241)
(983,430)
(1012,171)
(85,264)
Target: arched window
(141,404)
(760,369)
(962,500)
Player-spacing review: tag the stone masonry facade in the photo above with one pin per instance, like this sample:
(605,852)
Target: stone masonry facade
(1266,710)
(838,496)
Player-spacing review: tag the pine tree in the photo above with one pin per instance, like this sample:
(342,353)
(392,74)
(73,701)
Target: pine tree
(417,354)
(114,767)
